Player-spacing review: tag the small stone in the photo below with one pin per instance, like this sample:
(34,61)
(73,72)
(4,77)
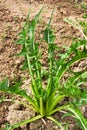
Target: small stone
(83,109)
(35,125)
(76,69)
(17,61)
(14,106)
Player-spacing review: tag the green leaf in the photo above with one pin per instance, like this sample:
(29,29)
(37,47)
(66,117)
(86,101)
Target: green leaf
(49,36)
(65,66)
(77,76)
(74,92)
(4,86)
(55,101)
(85,16)
(78,116)
(7,127)
(12,127)
(56,122)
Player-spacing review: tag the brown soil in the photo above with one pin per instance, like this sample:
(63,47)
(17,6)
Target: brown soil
(12,17)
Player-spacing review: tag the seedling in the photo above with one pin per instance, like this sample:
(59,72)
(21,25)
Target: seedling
(3,37)
(84,6)
(47,100)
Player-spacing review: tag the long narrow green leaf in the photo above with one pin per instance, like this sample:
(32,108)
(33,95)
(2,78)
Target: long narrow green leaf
(12,127)
(49,37)
(52,104)
(77,75)
(65,66)
(56,122)
(42,112)
(74,92)
(78,115)
(7,127)
(64,107)
(4,86)
(34,49)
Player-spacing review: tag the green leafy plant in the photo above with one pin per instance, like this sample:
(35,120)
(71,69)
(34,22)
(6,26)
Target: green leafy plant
(49,99)
(81,25)
(84,6)
(84,25)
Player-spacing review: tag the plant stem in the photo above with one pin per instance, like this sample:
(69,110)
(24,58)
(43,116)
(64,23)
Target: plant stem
(58,109)
(56,122)
(42,111)
(25,122)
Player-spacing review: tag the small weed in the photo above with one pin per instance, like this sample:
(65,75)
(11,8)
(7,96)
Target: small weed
(48,100)
(84,6)
(8,27)
(3,37)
